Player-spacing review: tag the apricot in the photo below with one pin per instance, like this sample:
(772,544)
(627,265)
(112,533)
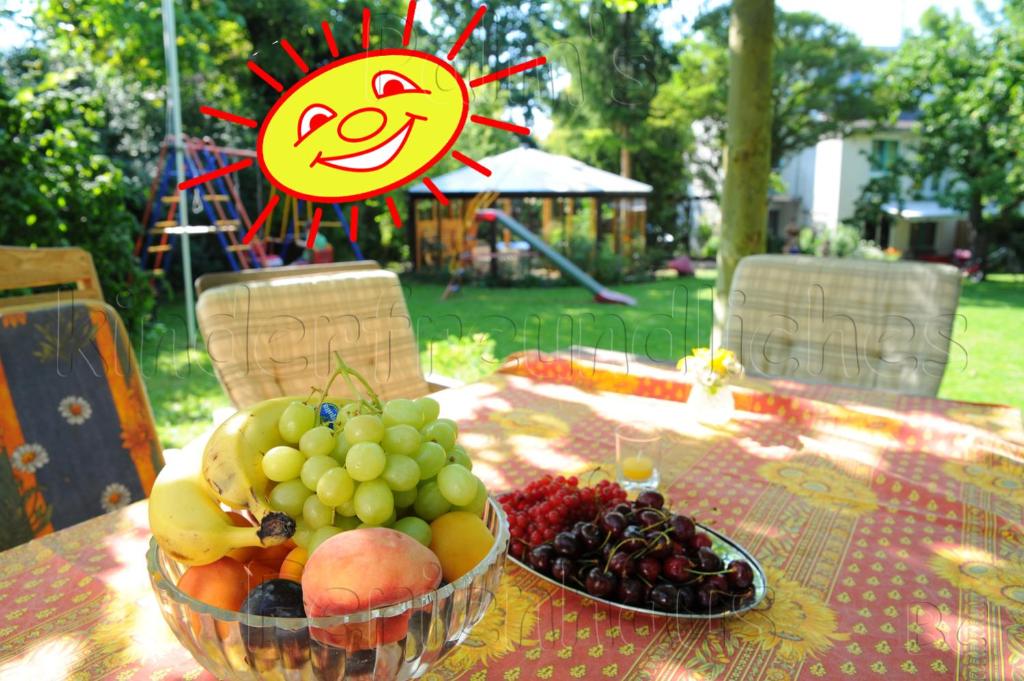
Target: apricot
(293,564)
(361,569)
(273,556)
(460,540)
(223,584)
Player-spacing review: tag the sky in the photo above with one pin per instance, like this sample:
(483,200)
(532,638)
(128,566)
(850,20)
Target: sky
(879,23)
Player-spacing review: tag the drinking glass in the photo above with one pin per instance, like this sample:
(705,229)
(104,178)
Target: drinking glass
(637,457)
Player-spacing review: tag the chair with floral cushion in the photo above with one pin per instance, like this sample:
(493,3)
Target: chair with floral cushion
(76,432)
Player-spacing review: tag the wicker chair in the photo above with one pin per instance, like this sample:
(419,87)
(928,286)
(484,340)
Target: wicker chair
(275,336)
(859,323)
(76,431)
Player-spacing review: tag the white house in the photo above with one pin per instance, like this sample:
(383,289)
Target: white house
(824,182)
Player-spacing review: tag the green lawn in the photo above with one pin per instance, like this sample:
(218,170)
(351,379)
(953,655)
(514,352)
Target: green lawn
(672,317)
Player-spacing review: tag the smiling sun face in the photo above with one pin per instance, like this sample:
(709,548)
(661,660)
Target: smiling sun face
(362,125)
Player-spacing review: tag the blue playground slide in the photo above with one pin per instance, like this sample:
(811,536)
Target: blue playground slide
(601,294)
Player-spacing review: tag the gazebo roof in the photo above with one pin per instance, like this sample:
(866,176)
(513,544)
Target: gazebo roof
(531,172)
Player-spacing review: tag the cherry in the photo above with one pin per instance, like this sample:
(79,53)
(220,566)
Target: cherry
(740,575)
(566,544)
(700,541)
(631,591)
(650,499)
(622,564)
(711,591)
(650,518)
(682,529)
(562,569)
(600,583)
(658,545)
(708,560)
(632,540)
(677,568)
(665,597)
(649,569)
(614,523)
(591,536)
(624,509)
(541,557)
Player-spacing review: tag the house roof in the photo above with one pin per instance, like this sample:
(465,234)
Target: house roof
(531,172)
(922,211)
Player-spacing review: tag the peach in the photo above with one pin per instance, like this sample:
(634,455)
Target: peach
(363,569)
(222,584)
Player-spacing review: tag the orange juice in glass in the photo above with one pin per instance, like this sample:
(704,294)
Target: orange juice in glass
(637,457)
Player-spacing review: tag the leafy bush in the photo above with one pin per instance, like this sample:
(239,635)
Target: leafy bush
(59,190)
(841,242)
(463,358)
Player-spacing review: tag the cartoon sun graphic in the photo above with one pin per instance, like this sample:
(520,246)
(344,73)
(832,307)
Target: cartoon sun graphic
(363,124)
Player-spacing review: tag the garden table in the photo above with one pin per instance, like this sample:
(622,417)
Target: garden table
(889,527)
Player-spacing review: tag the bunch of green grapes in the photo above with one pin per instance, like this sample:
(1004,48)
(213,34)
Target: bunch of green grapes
(398,466)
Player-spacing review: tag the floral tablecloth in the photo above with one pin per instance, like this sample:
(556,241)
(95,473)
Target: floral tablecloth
(890,531)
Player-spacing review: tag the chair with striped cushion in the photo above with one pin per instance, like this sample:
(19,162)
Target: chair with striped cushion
(844,321)
(76,432)
(276,336)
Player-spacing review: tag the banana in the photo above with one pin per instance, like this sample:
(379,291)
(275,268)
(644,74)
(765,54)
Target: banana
(232,460)
(190,525)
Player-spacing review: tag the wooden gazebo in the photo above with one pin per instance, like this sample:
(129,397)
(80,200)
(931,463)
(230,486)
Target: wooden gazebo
(545,192)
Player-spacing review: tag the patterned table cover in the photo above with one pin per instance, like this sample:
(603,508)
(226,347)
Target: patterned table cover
(890,530)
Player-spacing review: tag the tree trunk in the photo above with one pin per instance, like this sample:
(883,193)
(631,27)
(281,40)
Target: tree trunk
(748,142)
(625,157)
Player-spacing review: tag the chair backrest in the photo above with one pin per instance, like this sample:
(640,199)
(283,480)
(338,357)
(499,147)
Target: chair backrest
(862,323)
(274,337)
(32,268)
(215,279)
(76,431)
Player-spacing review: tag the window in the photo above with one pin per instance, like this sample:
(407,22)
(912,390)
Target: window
(884,154)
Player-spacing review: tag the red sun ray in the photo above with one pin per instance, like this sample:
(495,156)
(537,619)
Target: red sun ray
(314,227)
(467,161)
(464,36)
(353,223)
(438,194)
(260,219)
(329,37)
(505,73)
(214,174)
(229,117)
(366,28)
(395,216)
(500,125)
(287,47)
(408,23)
(265,77)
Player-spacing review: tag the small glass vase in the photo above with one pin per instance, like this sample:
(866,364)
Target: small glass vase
(711,408)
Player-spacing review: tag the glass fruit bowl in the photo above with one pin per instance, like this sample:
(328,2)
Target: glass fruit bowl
(234,645)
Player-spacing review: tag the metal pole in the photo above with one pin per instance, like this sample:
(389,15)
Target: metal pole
(171,59)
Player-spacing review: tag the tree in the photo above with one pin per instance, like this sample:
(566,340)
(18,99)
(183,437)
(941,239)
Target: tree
(964,88)
(508,33)
(821,81)
(616,60)
(748,141)
(65,192)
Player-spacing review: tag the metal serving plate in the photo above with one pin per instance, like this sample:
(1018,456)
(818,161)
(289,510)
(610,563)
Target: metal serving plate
(722,545)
